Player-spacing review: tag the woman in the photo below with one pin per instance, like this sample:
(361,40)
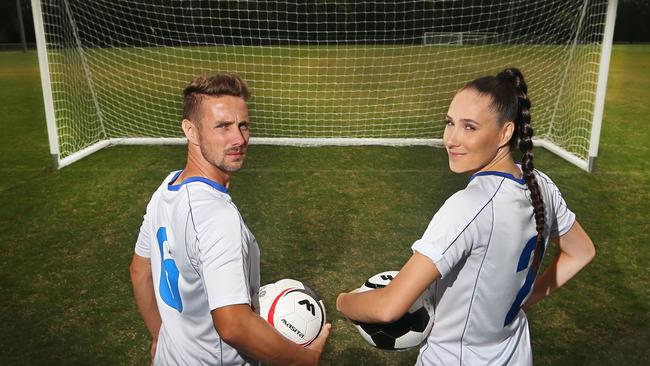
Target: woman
(481,252)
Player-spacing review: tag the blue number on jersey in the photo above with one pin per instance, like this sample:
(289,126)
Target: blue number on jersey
(168,275)
(524,259)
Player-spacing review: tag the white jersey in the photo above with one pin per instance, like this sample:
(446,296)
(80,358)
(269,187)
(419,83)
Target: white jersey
(202,257)
(482,240)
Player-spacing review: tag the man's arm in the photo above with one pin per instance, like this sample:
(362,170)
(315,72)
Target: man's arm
(243,329)
(576,251)
(145,298)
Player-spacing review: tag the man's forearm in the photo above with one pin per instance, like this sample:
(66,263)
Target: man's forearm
(252,335)
(144,294)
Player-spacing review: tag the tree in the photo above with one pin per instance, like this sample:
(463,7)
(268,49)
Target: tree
(9,24)
(632,21)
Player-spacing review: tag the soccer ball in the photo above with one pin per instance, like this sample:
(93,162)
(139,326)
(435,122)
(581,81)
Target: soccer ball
(409,331)
(292,308)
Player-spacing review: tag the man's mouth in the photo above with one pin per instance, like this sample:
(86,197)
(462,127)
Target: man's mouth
(236,153)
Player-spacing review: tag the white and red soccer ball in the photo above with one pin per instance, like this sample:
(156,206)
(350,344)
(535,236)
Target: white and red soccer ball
(292,308)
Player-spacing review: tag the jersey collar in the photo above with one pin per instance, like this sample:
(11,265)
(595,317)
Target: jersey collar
(500,174)
(211,183)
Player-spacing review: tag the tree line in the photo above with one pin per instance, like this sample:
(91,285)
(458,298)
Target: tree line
(201,22)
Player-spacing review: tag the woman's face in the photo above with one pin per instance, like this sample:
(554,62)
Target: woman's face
(472,136)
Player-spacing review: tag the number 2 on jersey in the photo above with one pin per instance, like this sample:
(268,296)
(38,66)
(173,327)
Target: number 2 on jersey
(524,259)
(168,287)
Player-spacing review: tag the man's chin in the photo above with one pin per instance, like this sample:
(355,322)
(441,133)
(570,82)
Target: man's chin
(232,168)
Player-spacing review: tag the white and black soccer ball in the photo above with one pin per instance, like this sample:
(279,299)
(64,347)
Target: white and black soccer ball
(292,308)
(409,331)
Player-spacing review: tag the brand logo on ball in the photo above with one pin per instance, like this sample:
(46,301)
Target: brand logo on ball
(293,329)
(309,305)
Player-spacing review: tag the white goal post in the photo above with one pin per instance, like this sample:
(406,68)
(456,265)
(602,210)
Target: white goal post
(321,72)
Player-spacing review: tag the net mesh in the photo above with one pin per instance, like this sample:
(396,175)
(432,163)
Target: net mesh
(318,69)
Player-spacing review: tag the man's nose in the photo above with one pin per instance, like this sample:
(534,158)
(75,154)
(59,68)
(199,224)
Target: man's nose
(238,137)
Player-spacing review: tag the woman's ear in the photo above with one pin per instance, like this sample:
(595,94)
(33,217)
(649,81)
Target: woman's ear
(507,130)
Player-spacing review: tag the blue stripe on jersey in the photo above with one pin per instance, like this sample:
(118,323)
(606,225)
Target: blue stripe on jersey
(500,174)
(211,183)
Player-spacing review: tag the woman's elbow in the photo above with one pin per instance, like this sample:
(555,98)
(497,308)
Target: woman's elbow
(586,254)
(389,314)
(590,252)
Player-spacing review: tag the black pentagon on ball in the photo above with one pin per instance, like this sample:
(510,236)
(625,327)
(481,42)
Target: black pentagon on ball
(384,335)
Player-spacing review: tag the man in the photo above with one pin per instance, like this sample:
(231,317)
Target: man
(196,264)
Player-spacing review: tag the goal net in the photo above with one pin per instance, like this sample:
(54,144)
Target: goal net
(321,72)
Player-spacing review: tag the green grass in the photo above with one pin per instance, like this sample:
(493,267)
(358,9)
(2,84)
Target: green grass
(333,215)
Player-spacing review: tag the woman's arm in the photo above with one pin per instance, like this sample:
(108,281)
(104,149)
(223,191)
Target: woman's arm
(576,251)
(388,304)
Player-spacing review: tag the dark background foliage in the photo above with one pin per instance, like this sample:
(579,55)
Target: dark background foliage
(307,22)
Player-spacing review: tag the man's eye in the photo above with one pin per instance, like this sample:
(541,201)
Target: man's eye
(243,127)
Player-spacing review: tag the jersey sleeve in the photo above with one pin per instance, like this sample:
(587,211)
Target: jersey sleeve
(222,259)
(451,234)
(143,243)
(563,217)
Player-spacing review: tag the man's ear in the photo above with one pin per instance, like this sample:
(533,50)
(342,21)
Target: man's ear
(191,131)
(506,133)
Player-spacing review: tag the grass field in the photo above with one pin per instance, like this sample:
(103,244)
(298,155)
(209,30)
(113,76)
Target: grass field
(328,216)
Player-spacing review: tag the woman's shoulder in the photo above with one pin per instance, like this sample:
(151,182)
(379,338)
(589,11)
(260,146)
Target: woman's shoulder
(479,189)
(547,184)
(467,201)
(543,177)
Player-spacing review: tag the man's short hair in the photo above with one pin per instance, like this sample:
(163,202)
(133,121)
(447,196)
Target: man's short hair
(215,85)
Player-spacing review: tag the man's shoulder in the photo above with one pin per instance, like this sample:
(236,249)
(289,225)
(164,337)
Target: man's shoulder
(198,191)
(160,190)
(209,209)
(202,197)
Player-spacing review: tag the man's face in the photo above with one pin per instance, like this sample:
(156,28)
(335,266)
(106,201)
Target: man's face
(223,131)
